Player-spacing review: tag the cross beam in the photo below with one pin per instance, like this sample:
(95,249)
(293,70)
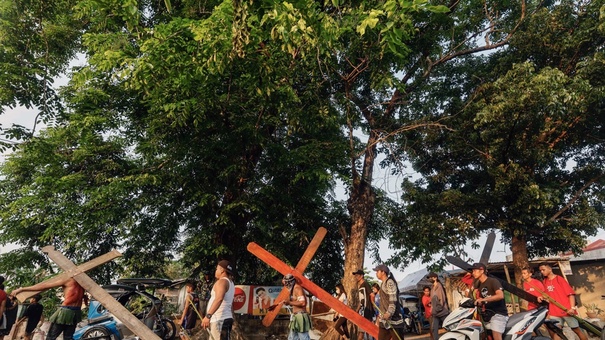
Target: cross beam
(314,289)
(301,266)
(112,305)
(97,261)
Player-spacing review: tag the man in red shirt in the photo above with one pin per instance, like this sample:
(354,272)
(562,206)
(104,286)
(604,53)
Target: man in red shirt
(530,284)
(560,290)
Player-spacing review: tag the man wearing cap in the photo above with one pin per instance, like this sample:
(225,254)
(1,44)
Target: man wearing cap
(439,306)
(219,315)
(491,298)
(391,321)
(364,290)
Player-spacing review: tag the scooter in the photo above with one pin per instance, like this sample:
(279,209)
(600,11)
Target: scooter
(461,325)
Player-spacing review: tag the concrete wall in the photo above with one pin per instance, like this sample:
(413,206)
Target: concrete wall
(588,280)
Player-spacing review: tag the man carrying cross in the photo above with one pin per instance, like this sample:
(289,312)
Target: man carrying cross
(65,319)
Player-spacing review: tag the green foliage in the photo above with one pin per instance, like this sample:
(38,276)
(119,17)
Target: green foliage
(196,127)
(516,153)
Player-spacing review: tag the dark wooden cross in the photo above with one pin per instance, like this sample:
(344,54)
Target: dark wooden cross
(70,270)
(311,287)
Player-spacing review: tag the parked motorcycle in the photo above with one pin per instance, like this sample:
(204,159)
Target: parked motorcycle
(146,307)
(460,324)
(411,322)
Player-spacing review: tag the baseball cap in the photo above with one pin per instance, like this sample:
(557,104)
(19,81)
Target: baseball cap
(382,267)
(359,272)
(432,274)
(226,265)
(478,265)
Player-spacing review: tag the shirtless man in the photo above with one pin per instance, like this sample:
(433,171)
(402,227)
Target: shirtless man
(300,322)
(65,319)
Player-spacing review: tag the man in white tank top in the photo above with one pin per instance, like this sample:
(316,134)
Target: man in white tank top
(219,314)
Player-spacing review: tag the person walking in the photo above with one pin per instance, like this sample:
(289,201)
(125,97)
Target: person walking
(559,290)
(67,316)
(364,306)
(300,321)
(390,325)
(190,310)
(439,305)
(219,315)
(341,321)
(34,316)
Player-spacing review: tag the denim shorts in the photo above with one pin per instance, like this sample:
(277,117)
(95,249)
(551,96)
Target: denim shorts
(569,320)
(498,323)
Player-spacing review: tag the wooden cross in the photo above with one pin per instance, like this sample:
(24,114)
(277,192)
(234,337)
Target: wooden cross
(112,305)
(301,266)
(314,289)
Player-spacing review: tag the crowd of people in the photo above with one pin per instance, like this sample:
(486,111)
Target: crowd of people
(212,302)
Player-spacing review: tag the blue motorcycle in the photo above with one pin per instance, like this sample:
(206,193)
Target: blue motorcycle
(101,324)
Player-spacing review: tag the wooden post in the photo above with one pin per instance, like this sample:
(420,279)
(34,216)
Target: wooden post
(314,289)
(512,296)
(301,266)
(113,306)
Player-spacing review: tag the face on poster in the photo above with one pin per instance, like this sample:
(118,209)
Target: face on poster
(263,298)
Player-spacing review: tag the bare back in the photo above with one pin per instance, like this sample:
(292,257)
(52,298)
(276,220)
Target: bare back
(73,293)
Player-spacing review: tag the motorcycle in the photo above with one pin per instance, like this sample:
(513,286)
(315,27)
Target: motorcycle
(101,324)
(461,325)
(411,322)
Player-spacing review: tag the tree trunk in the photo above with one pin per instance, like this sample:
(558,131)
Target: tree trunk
(519,250)
(360,204)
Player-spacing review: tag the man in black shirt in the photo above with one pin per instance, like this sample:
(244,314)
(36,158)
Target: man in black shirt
(364,290)
(33,314)
(491,298)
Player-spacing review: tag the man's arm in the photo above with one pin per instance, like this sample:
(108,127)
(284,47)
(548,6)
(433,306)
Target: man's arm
(186,309)
(42,286)
(2,307)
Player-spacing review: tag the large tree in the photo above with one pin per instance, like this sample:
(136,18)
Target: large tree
(524,150)
(234,118)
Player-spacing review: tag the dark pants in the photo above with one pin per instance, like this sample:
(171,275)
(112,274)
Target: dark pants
(388,334)
(436,324)
(341,327)
(56,330)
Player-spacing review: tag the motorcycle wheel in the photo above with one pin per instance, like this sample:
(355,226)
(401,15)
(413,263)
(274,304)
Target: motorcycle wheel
(97,332)
(169,329)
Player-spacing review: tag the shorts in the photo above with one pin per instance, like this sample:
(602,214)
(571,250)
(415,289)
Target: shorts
(569,320)
(497,323)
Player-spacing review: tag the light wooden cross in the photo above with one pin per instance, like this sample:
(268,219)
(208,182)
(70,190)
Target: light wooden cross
(311,287)
(78,274)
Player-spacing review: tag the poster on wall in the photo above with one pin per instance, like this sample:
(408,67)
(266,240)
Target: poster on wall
(263,297)
(240,299)
(255,300)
